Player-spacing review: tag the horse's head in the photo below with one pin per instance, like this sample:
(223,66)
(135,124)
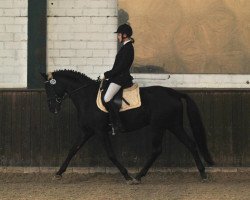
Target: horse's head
(54,91)
(64,82)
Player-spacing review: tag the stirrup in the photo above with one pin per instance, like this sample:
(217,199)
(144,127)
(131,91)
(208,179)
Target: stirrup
(119,129)
(112,132)
(116,130)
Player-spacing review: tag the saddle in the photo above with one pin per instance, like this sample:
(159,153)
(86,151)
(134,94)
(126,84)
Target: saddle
(125,99)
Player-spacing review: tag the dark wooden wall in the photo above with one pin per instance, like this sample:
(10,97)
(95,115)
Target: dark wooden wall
(31,136)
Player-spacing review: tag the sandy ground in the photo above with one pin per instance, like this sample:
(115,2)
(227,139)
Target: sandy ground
(158,186)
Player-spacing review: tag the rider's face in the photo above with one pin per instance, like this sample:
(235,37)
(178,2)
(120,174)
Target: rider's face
(119,37)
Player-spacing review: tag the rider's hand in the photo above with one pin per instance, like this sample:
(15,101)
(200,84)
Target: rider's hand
(102,76)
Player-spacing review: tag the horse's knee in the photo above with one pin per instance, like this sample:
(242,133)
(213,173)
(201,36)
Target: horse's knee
(157,151)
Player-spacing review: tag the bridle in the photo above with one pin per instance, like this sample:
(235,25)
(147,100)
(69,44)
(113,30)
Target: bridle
(67,95)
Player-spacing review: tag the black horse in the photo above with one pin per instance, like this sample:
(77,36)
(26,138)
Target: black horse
(161,110)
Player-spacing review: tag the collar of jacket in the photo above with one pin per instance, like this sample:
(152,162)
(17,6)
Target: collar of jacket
(126,42)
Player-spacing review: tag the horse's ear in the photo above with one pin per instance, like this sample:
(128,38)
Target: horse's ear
(44,75)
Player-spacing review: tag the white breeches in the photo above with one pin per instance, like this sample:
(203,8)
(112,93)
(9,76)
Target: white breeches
(111,91)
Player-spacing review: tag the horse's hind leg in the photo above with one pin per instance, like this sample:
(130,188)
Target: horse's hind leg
(192,147)
(156,151)
(75,148)
(109,149)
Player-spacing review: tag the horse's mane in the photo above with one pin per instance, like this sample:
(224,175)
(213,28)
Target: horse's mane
(73,74)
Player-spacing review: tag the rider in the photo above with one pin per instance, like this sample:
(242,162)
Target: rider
(119,76)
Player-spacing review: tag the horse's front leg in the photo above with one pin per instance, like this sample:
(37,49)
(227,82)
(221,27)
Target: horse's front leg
(81,139)
(109,149)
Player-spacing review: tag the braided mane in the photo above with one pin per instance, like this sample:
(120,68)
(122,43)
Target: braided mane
(73,74)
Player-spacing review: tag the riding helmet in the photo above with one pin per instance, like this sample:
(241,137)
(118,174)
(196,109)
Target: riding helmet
(125,28)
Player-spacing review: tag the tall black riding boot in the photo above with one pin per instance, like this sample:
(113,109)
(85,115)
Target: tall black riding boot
(114,117)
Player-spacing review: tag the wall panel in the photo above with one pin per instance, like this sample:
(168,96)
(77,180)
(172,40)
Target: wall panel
(32,136)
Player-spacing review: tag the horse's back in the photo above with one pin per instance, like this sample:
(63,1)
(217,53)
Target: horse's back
(159,92)
(161,99)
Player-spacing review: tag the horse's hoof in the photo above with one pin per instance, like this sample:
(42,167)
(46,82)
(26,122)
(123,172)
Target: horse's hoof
(57,177)
(129,182)
(133,182)
(204,178)
(136,181)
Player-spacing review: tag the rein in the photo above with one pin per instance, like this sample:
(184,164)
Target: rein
(76,90)
(84,86)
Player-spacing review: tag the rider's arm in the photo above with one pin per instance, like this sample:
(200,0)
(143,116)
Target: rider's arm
(121,65)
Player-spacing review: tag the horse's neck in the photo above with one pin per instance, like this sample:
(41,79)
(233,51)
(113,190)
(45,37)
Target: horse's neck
(81,94)
(72,86)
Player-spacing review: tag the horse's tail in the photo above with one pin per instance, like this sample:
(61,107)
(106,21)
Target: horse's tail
(198,129)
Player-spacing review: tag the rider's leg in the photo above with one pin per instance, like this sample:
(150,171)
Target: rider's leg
(111,91)
(111,107)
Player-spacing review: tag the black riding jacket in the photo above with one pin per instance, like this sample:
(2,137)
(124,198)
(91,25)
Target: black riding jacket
(120,73)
